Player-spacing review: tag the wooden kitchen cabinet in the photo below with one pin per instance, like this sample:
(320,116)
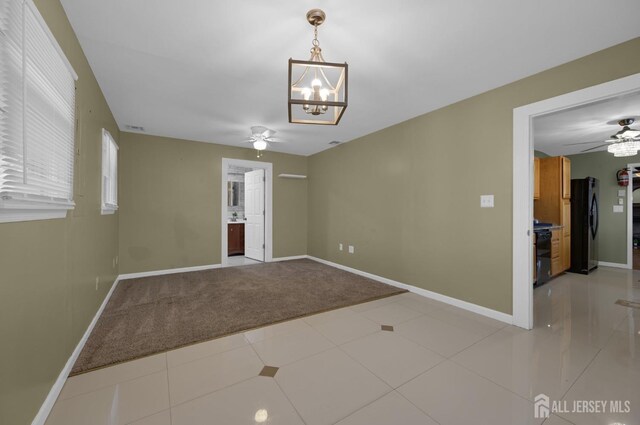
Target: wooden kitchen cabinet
(566,233)
(536,178)
(566,178)
(554,204)
(235,238)
(556,258)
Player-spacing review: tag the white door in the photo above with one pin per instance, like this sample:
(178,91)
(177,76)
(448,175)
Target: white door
(254,213)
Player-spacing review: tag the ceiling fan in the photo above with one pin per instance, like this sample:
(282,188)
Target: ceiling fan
(260,137)
(625,142)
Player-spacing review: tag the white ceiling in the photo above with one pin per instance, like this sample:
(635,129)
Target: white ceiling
(571,131)
(208,70)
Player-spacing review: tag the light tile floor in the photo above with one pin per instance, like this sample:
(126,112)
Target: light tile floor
(435,365)
(240,260)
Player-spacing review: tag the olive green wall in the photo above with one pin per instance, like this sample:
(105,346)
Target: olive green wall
(170,202)
(48,268)
(408,197)
(612,242)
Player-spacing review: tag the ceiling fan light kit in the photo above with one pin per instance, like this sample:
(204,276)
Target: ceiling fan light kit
(260,138)
(625,142)
(317,89)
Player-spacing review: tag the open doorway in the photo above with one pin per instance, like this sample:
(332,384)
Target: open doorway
(246,201)
(523,183)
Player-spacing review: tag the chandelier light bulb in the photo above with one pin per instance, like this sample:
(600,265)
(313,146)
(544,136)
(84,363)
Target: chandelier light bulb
(306,93)
(324,94)
(316,83)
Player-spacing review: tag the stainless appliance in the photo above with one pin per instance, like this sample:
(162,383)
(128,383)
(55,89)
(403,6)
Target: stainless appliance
(584,225)
(543,251)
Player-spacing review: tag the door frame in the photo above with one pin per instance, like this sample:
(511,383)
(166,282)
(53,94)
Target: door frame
(523,146)
(630,215)
(268,206)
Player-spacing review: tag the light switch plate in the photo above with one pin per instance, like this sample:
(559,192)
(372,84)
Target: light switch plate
(351,249)
(618,208)
(621,192)
(340,247)
(486,201)
(620,201)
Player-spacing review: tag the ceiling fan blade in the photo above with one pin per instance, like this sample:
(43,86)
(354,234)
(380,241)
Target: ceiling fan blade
(268,133)
(258,129)
(595,147)
(582,143)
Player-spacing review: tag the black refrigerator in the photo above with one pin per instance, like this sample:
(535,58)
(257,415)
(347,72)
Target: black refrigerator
(584,225)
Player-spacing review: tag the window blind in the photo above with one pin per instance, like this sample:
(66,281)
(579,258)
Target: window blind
(38,113)
(109,173)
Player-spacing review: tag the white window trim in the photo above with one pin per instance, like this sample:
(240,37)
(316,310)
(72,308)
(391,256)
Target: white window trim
(16,210)
(108,208)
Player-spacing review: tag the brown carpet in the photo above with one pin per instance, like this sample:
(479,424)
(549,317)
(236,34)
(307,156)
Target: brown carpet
(154,314)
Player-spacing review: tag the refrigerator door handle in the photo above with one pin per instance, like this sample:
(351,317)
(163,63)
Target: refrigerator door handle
(594,219)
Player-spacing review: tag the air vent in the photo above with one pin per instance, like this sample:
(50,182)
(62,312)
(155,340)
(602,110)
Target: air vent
(134,128)
(335,142)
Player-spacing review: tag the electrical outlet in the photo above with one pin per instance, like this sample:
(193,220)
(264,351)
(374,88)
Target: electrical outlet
(620,201)
(97,282)
(340,246)
(486,201)
(351,249)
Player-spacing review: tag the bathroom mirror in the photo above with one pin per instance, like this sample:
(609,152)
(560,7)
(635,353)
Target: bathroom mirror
(233,194)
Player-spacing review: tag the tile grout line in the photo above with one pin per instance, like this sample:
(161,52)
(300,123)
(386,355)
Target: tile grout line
(148,416)
(418,407)
(449,359)
(454,310)
(457,352)
(214,391)
(483,377)
(580,376)
(379,377)
(208,355)
(169,390)
(110,385)
(165,353)
(558,416)
(278,385)
(383,381)
(219,389)
(305,357)
(362,407)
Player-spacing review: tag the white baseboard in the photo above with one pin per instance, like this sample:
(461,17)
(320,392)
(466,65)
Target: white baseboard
(169,271)
(46,407)
(484,311)
(616,265)
(293,257)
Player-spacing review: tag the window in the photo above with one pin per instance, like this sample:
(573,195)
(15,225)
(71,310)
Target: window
(37,118)
(109,173)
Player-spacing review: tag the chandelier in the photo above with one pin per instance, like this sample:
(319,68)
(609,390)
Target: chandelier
(317,89)
(626,142)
